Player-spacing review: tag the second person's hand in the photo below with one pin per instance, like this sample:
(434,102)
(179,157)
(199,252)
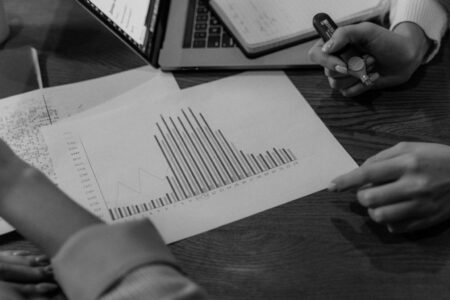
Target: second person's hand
(406,187)
(391,56)
(25,276)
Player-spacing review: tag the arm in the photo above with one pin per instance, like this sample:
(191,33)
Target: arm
(91,260)
(35,206)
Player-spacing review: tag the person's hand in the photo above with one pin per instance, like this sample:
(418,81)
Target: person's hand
(406,187)
(25,276)
(391,56)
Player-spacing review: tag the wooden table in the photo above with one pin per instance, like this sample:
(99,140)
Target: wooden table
(319,247)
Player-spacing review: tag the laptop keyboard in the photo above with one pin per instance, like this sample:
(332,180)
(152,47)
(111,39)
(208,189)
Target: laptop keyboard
(203,29)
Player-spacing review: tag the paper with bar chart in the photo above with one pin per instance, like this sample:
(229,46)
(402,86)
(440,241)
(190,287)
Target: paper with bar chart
(200,158)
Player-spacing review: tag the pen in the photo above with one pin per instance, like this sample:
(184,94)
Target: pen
(356,66)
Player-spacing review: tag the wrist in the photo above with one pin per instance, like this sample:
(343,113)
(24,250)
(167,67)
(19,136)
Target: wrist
(418,42)
(19,175)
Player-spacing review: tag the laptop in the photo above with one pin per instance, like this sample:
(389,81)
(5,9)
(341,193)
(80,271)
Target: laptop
(185,35)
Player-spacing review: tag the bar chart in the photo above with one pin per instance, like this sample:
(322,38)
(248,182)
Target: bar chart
(198,159)
(201,159)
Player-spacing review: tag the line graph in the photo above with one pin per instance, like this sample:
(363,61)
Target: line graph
(200,159)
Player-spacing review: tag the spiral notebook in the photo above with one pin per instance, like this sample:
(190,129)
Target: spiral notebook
(263,26)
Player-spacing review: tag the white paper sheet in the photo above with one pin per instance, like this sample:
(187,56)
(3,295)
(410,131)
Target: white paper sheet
(71,99)
(21,116)
(200,158)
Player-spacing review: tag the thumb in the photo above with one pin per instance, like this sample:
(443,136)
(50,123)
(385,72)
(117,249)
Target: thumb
(357,35)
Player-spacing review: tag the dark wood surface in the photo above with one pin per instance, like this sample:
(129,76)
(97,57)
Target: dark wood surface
(319,247)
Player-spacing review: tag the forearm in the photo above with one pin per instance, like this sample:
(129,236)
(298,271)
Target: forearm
(40,211)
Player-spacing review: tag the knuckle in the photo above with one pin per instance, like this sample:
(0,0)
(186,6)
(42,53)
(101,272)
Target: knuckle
(403,146)
(314,53)
(411,162)
(421,185)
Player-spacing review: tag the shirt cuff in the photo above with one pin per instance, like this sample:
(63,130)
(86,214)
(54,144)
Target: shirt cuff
(95,258)
(428,14)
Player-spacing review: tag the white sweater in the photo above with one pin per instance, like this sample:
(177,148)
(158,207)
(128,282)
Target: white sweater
(430,15)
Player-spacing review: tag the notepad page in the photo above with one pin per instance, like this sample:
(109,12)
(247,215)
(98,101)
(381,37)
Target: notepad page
(262,21)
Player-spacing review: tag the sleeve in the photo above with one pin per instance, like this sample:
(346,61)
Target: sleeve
(116,261)
(430,15)
(154,282)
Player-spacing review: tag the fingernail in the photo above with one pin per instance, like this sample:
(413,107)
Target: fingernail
(42,259)
(374,77)
(327,46)
(390,229)
(45,287)
(21,253)
(341,69)
(332,187)
(48,270)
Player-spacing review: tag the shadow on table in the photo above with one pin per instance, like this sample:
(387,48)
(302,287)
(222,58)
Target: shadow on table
(426,251)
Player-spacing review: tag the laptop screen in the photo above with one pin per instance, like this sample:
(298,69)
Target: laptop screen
(133,20)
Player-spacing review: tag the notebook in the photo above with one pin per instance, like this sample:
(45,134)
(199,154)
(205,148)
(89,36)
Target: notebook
(264,26)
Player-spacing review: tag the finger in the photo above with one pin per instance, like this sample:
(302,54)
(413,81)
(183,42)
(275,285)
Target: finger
(20,258)
(369,60)
(413,225)
(16,252)
(336,74)
(34,290)
(361,88)
(356,35)
(381,172)
(401,211)
(386,194)
(397,150)
(326,60)
(342,83)
(19,273)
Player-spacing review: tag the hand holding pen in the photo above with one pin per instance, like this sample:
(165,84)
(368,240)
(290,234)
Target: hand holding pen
(390,57)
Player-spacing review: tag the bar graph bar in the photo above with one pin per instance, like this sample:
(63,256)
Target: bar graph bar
(201,159)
